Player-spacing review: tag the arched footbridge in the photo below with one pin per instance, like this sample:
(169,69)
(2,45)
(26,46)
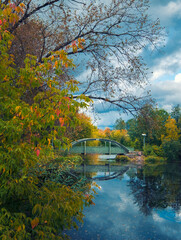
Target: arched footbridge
(106,146)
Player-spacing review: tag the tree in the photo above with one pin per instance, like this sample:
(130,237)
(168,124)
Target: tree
(98,133)
(119,124)
(170,140)
(176,113)
(114,33)
(150,121)
(120,136)
(172,150)
(84,128)
(131,126)
(34,205)
(107,132)
(172,132)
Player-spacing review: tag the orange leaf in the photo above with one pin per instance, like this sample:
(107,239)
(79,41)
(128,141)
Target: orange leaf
(19,229)
(34,222)
(61,120)
(56,64)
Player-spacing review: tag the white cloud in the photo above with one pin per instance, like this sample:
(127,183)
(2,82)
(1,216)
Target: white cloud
(157,218)
(105,119)
(83,76)
(172,8)
(167,93)
(178,78)
(167,12)
(167,107)
(166,65)
(109,118)
(178,216)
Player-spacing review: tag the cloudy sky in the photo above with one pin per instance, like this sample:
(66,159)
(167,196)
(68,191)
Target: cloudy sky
(165,64)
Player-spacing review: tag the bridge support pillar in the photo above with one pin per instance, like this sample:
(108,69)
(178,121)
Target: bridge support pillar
(84,169)
(109,148)
(84,147)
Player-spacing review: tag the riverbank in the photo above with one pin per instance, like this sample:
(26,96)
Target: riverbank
(136,157)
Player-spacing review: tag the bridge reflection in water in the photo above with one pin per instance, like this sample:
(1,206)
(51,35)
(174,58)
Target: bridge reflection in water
(105,146)
(110,171)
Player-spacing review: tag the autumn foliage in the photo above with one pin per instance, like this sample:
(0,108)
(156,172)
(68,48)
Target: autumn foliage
(33,206)
(172,132)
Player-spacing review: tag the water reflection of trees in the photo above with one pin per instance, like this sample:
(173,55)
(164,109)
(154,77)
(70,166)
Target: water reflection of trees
(157,186)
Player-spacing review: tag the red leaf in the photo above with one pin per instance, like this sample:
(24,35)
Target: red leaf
(38,152)
(58,112)
(87,195)
(74,43)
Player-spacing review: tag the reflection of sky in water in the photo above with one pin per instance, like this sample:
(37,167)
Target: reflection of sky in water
(102,174)
(169,214)
(116,217)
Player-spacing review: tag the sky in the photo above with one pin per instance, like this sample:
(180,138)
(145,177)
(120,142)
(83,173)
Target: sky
(165,65)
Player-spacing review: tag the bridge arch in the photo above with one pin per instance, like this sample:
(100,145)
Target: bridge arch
(121,149)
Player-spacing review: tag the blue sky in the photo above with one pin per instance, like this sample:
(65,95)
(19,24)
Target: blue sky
(165,64)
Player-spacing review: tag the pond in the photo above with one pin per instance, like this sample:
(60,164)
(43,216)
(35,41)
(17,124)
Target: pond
(133,202)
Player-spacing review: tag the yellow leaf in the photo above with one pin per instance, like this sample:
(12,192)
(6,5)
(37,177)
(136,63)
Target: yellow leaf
(17,9)
(52,117)
(49,141)
(17,108)
(22,5)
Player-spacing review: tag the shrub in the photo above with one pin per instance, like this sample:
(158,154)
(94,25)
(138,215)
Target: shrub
(122,158)
(158,150)
(148,150)
(172,150)
(153,150)
(153,159)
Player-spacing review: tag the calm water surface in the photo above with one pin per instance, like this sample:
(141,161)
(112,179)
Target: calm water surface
(144,203)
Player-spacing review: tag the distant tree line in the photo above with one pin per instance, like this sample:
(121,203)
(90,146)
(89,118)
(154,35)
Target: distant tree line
(162,129)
